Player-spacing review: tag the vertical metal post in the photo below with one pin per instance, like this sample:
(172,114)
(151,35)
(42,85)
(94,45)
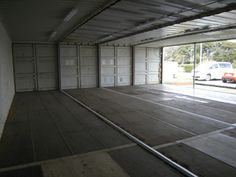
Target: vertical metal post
(132,65)
(194,64)
(146,65)
(14,64)
(59,66)
(99,65)
(116,77)
(161,65)
(78,65)
(36,74)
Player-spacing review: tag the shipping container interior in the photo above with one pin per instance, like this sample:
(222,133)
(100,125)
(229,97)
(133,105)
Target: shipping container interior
(82,93)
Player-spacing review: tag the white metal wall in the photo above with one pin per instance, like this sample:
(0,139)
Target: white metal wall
(140,65)
(7,89)
(35,67)
(108,63)
(124,65)
(46,57)
(147,65)
(69,70)
(25,70)
(78,66)
(153,65)
(115,66)
(88,66)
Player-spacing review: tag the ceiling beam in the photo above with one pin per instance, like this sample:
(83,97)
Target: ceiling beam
(188,34)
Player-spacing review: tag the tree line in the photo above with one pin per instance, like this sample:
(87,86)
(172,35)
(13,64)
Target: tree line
(224,51)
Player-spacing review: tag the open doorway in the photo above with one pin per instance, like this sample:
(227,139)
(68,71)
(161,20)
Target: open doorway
(215,64)
(178,63)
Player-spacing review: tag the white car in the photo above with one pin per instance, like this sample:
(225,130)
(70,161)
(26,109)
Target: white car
(212,70)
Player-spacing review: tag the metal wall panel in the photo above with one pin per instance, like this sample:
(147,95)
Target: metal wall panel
(140,65)
(69,66)
(108,66)
(123,57)
(147,65)
(78,66)
(35,67)
(46,67)
(115,66)
(153,65)
(24,63)
(88,66)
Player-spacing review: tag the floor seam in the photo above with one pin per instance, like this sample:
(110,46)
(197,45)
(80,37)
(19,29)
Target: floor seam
(193,138)
(20,166)
(170,107)
(59,130)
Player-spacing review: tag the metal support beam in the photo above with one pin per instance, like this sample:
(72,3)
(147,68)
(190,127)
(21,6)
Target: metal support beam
(189,34)
(14,64)
(58,66)
(99,65)
(36,74)
(132,65)
(161,67)
(116,82)
(77,66)
(194,63)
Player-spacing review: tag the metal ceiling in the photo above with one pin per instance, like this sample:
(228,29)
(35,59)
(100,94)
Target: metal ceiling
(205,25)
(138,21)
(128,22)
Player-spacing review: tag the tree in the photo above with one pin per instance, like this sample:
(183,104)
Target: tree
(220,51)
(211,51)
(183,54)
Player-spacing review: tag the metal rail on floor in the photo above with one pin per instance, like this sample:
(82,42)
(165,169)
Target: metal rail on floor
(162,157)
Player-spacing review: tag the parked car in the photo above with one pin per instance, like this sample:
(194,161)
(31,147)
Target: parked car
(212,70)
(229,76)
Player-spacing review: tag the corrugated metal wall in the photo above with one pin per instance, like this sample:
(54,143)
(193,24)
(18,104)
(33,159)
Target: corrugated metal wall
(115,66)
(35,67)
(153,65)
(140,65)
(24,62)
(46,57)
(124,65)
(88,67)
(147,63)
(78,66)
(69,62)
(108,66)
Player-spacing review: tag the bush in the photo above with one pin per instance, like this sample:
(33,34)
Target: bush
(234,64)
(187,62)
(188,68)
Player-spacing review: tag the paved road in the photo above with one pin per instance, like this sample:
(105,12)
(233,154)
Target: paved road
(226,95)
(217,83)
